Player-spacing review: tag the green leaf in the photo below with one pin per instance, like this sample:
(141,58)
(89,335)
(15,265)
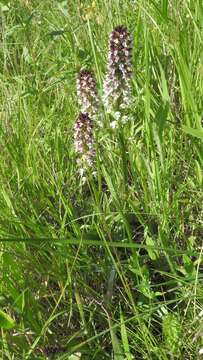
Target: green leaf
(75,356)
(117,349)
(57,32)
(4,7)
(151,244)
(194,132)
(20,302)
(6,322)
(172,332)
(124,337)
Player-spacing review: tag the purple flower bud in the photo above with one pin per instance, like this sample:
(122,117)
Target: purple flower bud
(117,88)
(87,92)
(84,141)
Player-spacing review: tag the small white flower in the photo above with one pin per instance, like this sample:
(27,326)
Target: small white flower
(84,179)
(125,119)
(113,124)
(123,106)
(81,171)
(117,115)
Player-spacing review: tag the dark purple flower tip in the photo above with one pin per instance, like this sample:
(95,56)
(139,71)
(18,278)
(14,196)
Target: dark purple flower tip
(117,90)
(120,33)
(86,78)
(120,51)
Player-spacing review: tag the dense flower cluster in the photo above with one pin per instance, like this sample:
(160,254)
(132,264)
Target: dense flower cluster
(117,88)
(117,96)
(84,141)
(87,93)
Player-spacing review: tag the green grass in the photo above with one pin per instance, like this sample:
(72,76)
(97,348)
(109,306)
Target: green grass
(111,269)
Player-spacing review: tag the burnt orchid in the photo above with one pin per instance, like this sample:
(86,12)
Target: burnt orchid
(117,87)
(84,142)
(87,93)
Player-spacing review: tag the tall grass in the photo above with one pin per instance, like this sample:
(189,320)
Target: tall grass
(112,268)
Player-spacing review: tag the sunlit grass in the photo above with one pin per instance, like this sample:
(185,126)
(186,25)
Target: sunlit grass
(112,268)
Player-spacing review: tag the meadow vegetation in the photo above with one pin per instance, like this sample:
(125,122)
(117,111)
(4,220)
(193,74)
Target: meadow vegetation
(110,266)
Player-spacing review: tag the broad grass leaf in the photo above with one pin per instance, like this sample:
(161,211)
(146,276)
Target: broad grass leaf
(6,322)
(194,132)
(124,337)
(152,253)
(172,332)
(75,356)
(117,349)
